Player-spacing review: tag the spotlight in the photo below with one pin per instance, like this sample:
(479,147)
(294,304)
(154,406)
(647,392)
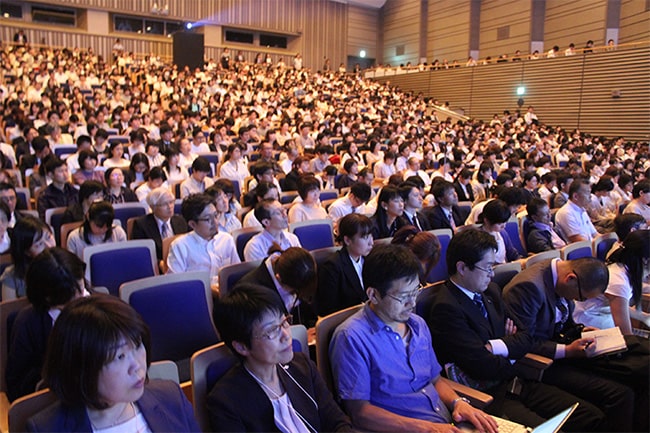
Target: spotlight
(189,26)
(521,90)
(362,54)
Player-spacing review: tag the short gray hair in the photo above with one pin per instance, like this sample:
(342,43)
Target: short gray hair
(157,195)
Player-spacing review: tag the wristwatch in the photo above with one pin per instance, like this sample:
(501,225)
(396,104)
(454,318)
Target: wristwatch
(456,400)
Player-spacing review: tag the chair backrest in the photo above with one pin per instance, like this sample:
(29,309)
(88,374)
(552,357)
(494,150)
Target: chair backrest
(602,244)
(229,275)
(8,311)
(465,208)
(382,241)
(439,271)
(124,211)
(206,367)
(27,406)
(325,327)
(165,370)
(576,250)
(5,261)
(321,254)
(299,339)
(178,310)
(166,245)
(505,272)
(24,195)
(314,234)
(129,226)
(328,194)
(65,231)
(544,255)
(178,204)
(115,263)
(512,228)
(54,217)
(213,159)
(64,150)
(424,299)
(242,236)
(287,197)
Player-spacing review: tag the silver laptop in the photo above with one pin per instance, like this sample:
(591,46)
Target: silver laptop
(552,425)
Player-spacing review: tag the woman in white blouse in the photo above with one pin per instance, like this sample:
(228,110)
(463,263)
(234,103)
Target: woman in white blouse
(310,208)
(234,168)
(628,267)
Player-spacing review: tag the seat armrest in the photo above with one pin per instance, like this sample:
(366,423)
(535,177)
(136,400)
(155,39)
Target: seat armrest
(477,398)
(532,366)
(4,413)
(537,361)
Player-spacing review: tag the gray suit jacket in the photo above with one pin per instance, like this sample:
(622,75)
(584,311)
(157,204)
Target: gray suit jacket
(530,298)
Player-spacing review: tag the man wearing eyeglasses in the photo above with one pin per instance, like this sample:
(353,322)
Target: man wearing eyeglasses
(540,299)
(161,223)
(385,370)
(478,344)
(204,248)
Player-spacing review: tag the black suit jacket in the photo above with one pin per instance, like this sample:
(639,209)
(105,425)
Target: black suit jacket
(302,314)
(162,404)
(422,220)
(530,297)
(461,192)
(146,227)
(339,285)
(438,220)
(238,403)
(460,332)
(29,335)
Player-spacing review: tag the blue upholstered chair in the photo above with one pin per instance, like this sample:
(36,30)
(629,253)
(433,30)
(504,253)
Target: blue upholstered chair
(178,310)
(112,264)
(314,234)
(602,244)
(242,236)
(576,250)
(124,211)
(439,271)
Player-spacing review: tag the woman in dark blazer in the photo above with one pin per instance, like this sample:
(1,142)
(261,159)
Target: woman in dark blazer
(271,389)
(339,278)
(390,207)
(96,364)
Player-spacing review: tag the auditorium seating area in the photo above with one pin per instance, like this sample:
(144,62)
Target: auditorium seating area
(248,105)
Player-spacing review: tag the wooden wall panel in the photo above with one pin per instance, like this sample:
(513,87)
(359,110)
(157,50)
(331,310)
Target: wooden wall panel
(609,116)
(574,92)
(576,21)
(635,21)
(500,13)
(362,31)
(401,28)
(322,24)
(448,30)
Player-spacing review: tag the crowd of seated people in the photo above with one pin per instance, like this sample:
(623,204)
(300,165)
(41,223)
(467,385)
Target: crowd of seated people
(156,134)
(517,56)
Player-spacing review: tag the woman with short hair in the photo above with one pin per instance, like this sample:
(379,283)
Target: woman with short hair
(96,364)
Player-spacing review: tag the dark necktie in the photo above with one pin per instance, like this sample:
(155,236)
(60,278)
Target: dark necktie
(164,232)
(451,221)
(565,315)
(478,300)
(415,222)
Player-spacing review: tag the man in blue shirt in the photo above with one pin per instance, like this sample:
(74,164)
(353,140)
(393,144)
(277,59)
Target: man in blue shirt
(385,370)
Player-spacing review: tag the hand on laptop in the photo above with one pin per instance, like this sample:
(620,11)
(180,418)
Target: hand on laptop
(483,422)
